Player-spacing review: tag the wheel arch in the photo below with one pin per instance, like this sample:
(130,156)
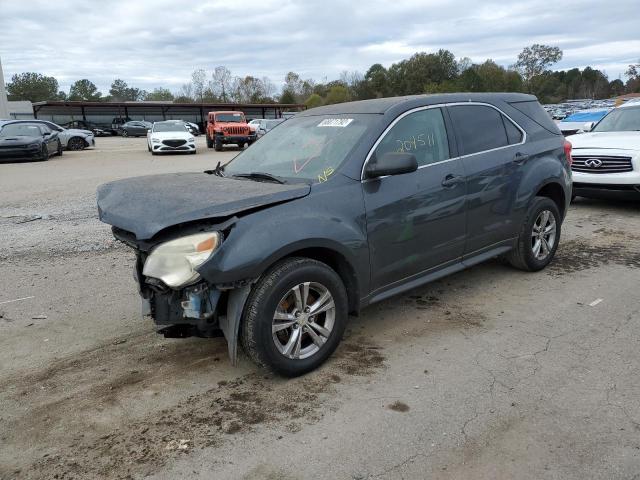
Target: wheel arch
(337,262)
(555,192)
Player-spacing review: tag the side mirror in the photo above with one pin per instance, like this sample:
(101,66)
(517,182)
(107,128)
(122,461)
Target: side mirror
(588,126)
(391,163)
(46,134)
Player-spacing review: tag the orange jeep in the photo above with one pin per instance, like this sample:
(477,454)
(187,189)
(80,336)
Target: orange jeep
(228,127)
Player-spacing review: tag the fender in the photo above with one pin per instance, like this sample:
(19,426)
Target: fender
(258,240)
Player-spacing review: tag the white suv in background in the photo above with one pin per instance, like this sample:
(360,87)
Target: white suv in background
(606,161)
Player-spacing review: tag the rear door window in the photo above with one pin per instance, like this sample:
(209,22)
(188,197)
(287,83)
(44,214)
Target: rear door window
(421,133)
(479,128)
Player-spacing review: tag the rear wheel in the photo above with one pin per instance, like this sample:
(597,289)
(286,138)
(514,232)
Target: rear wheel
(75,143)
(539,237)
(295,316)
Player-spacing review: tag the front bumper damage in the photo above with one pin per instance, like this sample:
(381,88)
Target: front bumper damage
(201,309)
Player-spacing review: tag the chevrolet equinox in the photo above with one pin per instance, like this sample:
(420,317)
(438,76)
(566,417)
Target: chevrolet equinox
(337,208)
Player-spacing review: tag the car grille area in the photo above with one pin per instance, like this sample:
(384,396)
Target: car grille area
(601,164)
(235,130)
(174,143)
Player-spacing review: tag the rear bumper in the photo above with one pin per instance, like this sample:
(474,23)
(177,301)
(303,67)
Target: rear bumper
(607,191)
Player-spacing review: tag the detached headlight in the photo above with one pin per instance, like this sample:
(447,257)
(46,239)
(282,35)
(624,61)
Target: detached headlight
(175,262)
(155,140)
(191,139)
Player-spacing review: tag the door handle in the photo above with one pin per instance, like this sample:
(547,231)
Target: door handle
(452,180)
(520,158)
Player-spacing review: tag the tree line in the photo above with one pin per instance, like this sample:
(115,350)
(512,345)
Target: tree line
(423,72)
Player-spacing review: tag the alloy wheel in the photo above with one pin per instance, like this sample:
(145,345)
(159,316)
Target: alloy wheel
(303,320)
(543,235)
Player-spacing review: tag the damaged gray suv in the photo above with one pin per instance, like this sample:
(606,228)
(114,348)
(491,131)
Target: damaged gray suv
(337,208)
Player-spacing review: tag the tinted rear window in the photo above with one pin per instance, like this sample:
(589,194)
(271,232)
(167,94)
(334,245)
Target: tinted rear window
(535,112)
(479,127)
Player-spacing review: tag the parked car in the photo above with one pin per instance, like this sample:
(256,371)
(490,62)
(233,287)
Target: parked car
(607,159)
(84,125)
(71,139)
(28,140)
(135,128)
(225,128)
(582,121)
(117,123)
(170,136)
(340,207)
(191,127)
(263,125)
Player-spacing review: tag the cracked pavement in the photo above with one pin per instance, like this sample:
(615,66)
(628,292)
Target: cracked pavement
(491,373)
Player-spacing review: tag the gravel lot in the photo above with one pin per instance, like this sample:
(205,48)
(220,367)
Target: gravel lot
(491,373)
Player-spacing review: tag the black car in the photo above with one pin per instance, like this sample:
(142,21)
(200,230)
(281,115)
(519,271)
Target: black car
(135,128)
(20,140)
(340,207)
(85,125)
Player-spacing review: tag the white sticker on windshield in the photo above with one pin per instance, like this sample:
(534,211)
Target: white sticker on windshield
(335,122)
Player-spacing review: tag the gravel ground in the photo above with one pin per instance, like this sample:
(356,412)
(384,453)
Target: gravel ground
(491,373)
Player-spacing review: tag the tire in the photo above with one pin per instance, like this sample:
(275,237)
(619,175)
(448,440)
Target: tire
(523,255)
(209,142)
(125,133)
(218,146)
(75,143)
(268,297)
(241,146)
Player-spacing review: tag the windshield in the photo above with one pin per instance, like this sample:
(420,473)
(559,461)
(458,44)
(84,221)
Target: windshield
(306,148)
(620,120)
(230,117)
(16,129)
(169,127)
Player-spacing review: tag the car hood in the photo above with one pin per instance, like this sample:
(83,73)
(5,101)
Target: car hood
(146,205)
(18,140)
(607,140)
(78,131)
(167,135)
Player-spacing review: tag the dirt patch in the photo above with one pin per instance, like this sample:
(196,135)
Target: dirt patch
(399,406)
(205,419)
(578,255)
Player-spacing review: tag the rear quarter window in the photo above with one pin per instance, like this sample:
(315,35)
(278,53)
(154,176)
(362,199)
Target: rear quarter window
(534,111)
(479,128)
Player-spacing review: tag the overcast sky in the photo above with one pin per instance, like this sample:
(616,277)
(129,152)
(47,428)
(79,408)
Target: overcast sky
(152,43)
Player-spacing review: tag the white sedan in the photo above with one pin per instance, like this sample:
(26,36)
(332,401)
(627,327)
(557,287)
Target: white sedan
(170,136)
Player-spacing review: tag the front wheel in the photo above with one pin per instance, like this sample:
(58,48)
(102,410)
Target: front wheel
(125,133)
(295,316)
(218,146)
(209,142)
(539,237)
(75,143)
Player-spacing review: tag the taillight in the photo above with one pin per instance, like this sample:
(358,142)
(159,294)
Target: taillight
(567,151)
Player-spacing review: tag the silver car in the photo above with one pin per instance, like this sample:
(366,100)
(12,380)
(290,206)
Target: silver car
(71,138)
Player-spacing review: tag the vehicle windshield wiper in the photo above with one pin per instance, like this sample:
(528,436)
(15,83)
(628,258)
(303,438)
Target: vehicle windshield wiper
(218,171)
(260,176)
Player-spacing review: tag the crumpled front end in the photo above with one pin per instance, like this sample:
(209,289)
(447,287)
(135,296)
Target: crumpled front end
(197,308)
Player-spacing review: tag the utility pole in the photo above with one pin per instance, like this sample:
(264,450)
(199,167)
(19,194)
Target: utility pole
(4,104)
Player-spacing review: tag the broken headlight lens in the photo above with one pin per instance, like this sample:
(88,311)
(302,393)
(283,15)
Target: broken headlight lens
(175,262)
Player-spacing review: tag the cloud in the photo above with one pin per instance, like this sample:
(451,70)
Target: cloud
(160,42)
